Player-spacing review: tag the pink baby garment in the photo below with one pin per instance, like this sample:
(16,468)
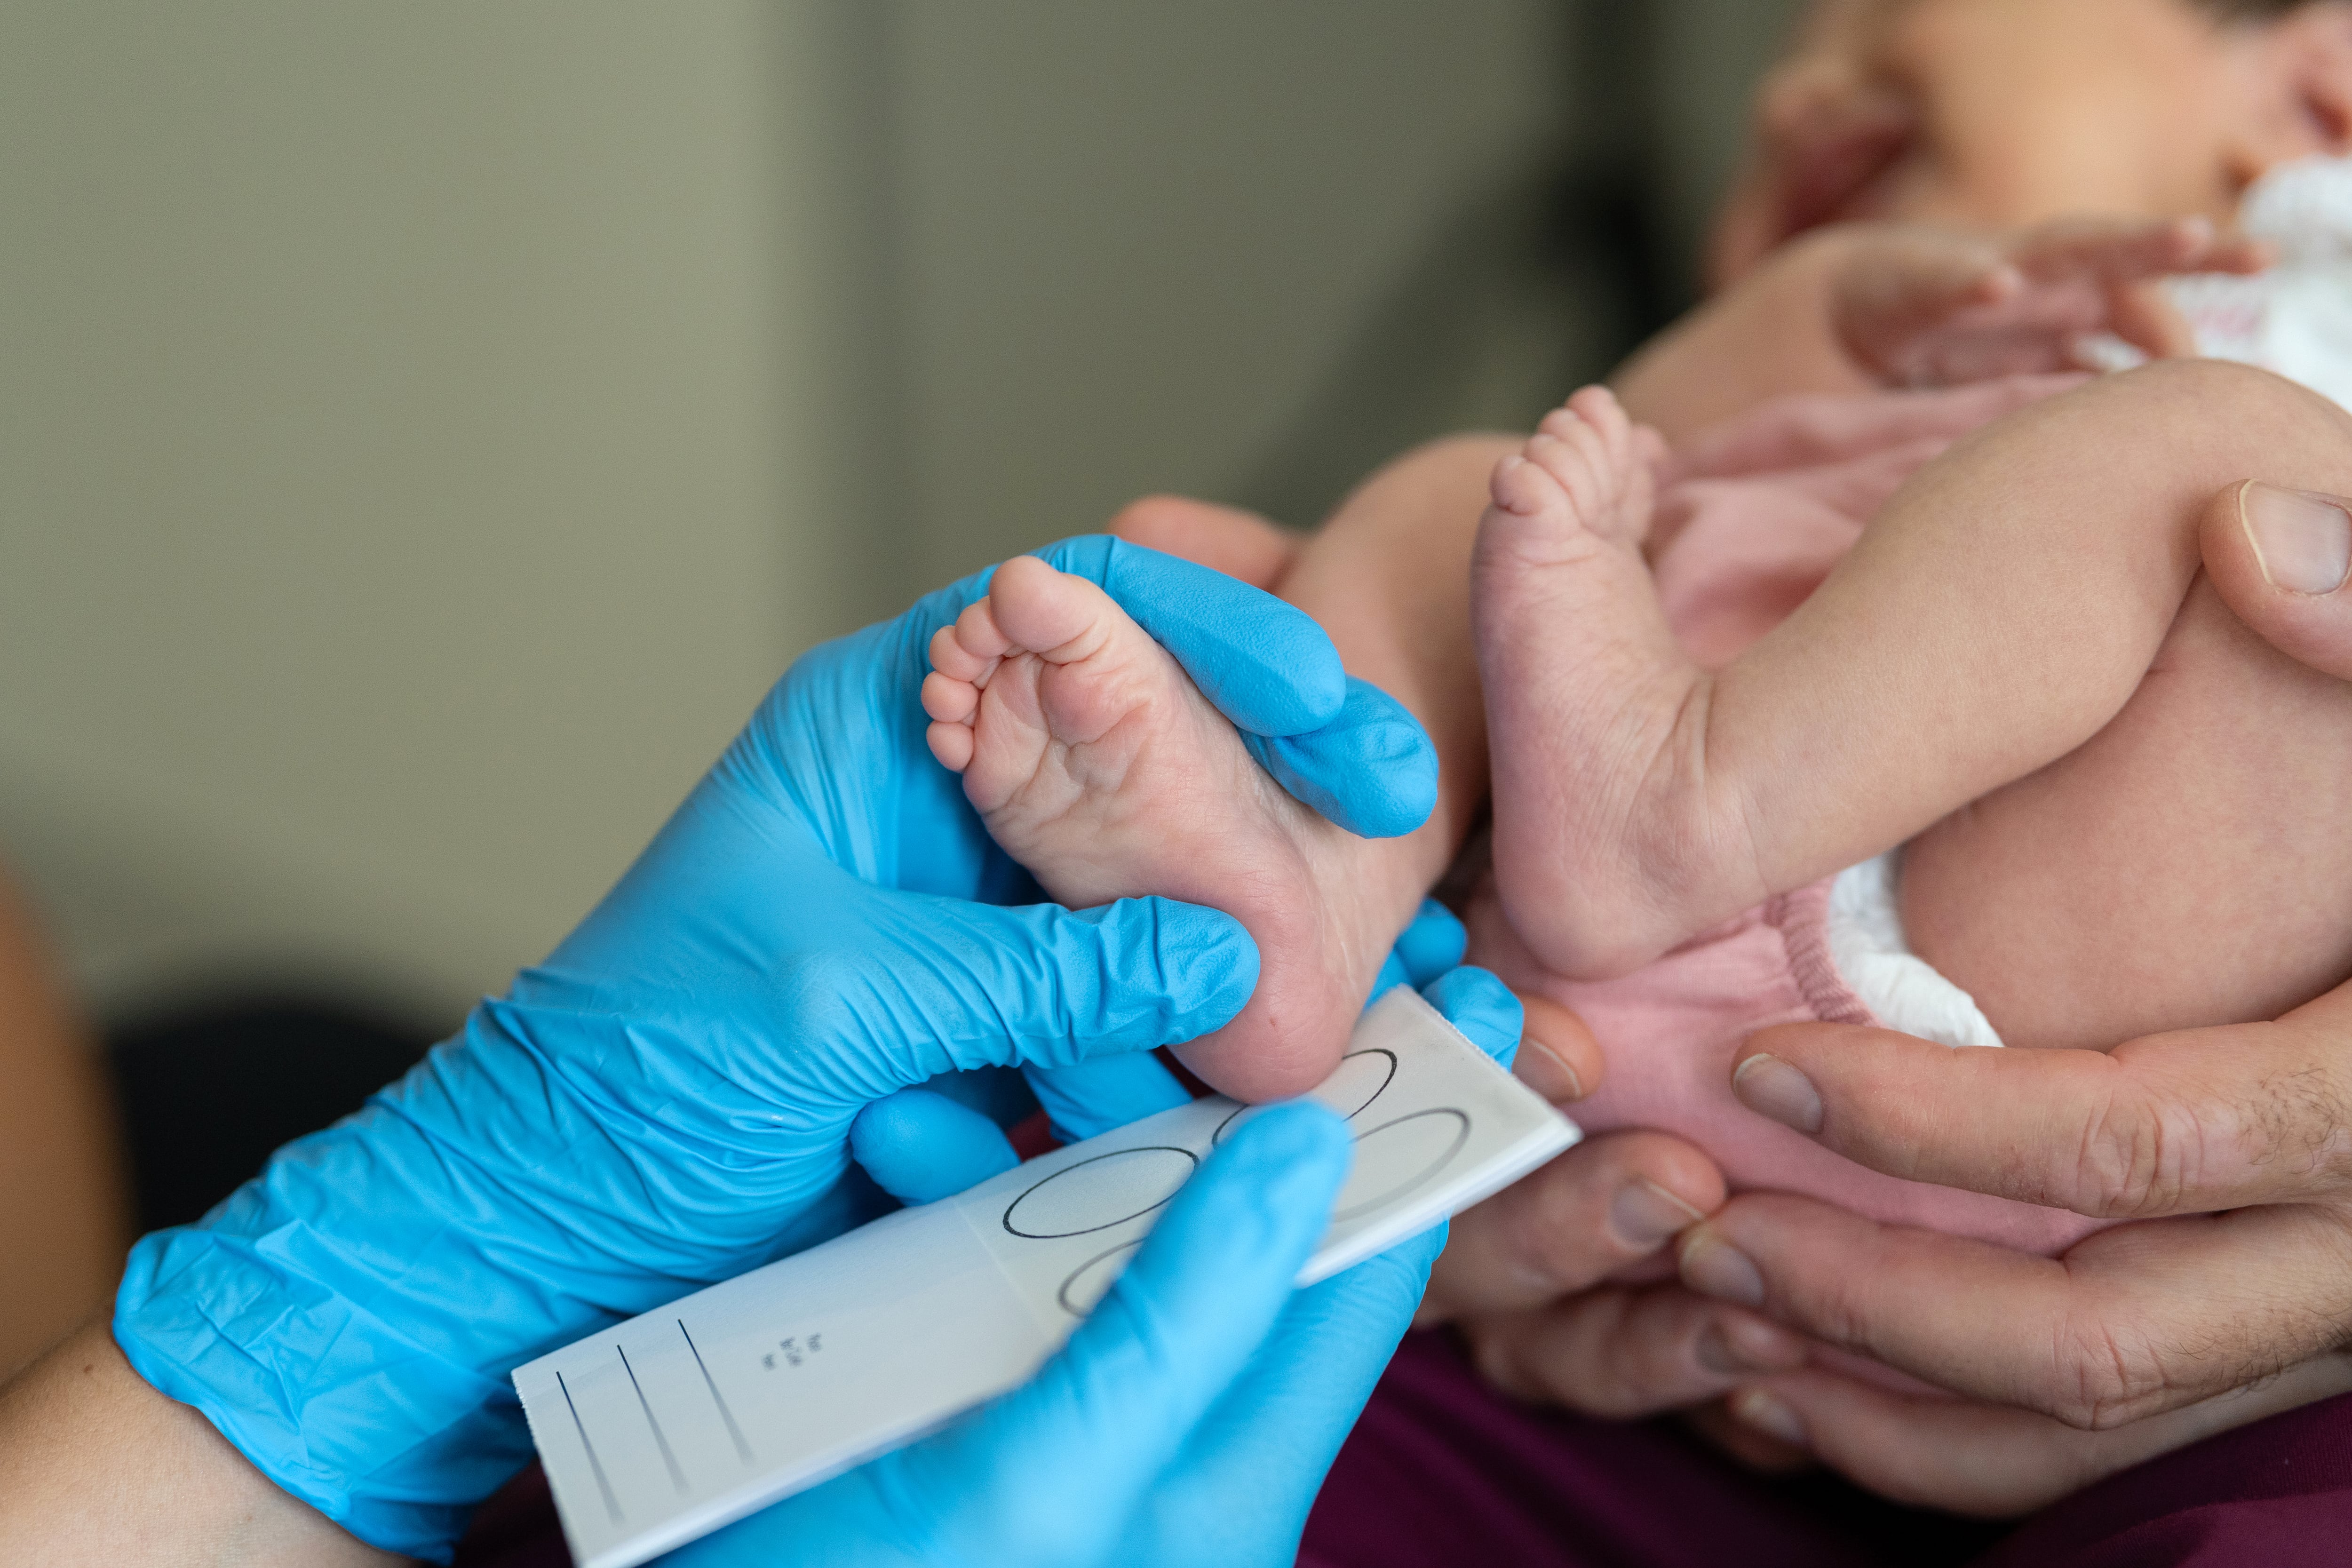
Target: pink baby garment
(1749,523)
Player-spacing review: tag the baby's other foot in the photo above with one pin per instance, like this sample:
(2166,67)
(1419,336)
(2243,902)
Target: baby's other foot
(1602,852)
(1097,763)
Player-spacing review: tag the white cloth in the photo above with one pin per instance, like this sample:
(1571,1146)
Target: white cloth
(1868,942)
(2296,319)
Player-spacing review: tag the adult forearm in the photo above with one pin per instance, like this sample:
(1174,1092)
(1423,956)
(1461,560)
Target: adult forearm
(63,1229)
(97,1468)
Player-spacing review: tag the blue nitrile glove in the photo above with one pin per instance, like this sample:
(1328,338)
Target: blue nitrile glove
(1191,1420)
(921,1144)
(665,1102)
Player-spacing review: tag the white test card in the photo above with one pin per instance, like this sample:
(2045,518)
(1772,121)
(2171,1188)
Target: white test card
(661,1430)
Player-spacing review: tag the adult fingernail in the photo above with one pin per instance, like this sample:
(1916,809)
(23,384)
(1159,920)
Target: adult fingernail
(2302,539)
(1770,1087)
(1747,1346)
(1712,1266)
(1717,1354)
(1547,1072)
(1644,1215)
(1772,1417)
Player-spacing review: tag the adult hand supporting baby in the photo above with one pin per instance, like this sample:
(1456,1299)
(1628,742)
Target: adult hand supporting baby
(1559,1283)
(2230,1300)
(667,1101)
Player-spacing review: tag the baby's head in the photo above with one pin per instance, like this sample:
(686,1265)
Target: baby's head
(2004,112)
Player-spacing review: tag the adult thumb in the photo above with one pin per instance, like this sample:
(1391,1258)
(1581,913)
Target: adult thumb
(2281,559)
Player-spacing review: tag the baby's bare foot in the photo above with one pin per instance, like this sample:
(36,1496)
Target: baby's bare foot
(1097,763)
(1605,851)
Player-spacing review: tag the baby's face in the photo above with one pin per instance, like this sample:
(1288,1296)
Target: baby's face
(1992,113)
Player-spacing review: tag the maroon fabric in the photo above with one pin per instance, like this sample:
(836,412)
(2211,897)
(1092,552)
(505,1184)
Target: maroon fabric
(2277,1493)
(1443,1472)
(516,1529)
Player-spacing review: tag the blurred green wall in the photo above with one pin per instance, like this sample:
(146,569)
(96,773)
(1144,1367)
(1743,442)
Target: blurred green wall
(426,429)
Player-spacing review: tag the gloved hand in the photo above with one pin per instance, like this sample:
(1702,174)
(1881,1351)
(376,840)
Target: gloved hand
(1191,1419)
(665,1102)
(922,1144)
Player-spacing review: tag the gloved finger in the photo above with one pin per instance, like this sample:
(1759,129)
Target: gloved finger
(1266,665)
(1240,1493)
(1482,1007)
(921,1147)
(1432,944)
(1372,769)
(948,986)
(1053,1472)
(1093,1097)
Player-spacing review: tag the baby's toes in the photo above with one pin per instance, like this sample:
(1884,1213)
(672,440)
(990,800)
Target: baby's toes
(1059,618)
(974,645)
(951,744)
(953,656)
(1598,407)
(949,700)
(1525,489)
(1602,414)
(1579,461)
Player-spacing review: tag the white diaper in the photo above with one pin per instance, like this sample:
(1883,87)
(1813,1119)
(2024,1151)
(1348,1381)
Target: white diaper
(1866,941)
(2296,319)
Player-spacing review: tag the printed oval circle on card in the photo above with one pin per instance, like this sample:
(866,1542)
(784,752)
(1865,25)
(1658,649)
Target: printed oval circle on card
(1396,1157)
(1095,1194)
(1362,1077)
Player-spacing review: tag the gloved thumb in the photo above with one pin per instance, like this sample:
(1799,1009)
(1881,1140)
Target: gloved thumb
(1050,1473)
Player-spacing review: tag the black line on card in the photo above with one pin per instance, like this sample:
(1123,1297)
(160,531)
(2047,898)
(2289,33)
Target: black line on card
(742,1449)
(1226,1126)
(596,1466)
(677,1476)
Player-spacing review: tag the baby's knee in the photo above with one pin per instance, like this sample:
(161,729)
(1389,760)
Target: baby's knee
(2225,412)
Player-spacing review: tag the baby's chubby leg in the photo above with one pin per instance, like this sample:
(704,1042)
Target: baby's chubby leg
(2000,612)
(2189,865)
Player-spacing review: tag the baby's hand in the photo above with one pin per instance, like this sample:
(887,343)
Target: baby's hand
(1916,306)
